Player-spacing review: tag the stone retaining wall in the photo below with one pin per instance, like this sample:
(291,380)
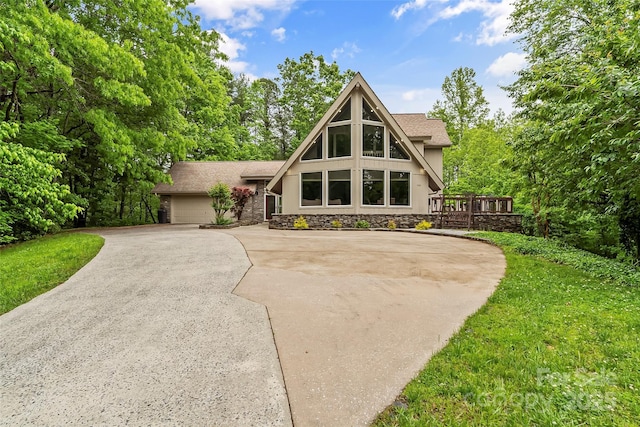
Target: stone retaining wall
(487,222)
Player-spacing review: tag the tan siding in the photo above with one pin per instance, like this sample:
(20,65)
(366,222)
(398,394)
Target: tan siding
(434,158)
(191,210)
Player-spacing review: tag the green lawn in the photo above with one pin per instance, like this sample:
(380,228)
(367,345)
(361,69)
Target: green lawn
(554,345)
(34,267)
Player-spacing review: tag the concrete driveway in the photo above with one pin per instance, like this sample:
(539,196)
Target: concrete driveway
(357,314)
(147,333)
(150,331)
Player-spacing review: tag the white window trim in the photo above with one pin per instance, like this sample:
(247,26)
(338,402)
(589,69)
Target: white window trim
(410,189)
(393,159)
(326,149)
(385,196)
(326,189)
(385,142)
(300,205)
(322,155)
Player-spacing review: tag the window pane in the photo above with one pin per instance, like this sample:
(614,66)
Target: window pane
(315,150)
(368,113)
(344,113)
(372,141)
(372,187)
(340,187)
(311,189)
(395,150)
(339,141)
(399,188)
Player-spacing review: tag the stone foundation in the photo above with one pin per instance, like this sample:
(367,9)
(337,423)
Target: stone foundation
(486,222)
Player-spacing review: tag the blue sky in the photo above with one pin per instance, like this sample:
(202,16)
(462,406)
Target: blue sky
(404,49)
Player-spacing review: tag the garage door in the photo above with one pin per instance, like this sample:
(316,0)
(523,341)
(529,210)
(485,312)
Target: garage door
(191,210)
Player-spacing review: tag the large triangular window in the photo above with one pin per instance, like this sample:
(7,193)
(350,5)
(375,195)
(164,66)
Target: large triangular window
(314,152)
(368,113)
(395,149)
(344,113)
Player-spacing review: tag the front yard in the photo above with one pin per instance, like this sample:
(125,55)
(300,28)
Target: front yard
(553,346)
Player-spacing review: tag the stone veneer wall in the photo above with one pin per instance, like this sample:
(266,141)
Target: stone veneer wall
(487,222)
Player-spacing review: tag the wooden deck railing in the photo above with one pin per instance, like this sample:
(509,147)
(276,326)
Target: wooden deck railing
(458,211)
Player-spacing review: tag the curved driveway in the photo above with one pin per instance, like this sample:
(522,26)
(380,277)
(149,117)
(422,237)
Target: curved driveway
(357,314)
(149,332)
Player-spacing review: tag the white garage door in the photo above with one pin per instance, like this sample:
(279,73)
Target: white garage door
(191,210)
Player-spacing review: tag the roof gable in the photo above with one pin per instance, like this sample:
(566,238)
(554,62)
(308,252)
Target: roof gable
(358,83)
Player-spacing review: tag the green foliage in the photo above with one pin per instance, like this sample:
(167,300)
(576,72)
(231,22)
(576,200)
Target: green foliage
(579,102)
(221,202)
(361,223)
(300,223)
(423,225)
(552,346)
(32,268)
(309,86)
(122,91)
(553,250)
(391,225)
(32,201)
(481,162)
(464,105)
(336,223)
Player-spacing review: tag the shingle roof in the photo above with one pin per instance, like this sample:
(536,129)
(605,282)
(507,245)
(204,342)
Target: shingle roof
(418,127)
(199,177)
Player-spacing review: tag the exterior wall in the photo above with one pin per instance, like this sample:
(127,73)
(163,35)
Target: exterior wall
(498,222)
(356,163)
(254,209)
(434,158)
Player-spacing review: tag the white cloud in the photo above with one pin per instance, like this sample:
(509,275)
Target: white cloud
(347,49)
(398,11)
(232,47)
(279,34)
(507,64)
(496,14)
(240,14)
(493,27)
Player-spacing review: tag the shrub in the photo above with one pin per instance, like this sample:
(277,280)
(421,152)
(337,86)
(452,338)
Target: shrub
(391,225)
(221,202)
(240,197)
(300,223)
(336,223)
(361,223)
(423,225)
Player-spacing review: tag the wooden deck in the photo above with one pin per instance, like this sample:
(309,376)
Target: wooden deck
(457,211)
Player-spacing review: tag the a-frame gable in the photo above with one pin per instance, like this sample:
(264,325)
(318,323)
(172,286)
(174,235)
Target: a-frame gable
(357,83)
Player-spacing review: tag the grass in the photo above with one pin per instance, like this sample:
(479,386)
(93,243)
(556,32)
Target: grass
(34,267)
(556,344)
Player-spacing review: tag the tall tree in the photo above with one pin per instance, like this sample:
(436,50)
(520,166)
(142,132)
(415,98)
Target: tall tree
(581,93)
(121,89)
(309,86)
(464,105)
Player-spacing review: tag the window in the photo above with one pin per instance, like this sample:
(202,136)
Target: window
(314,152)
(395,150)
(339,143)
(344,113)
(372,187)
(340,187)
(372,141)
(368,113)
(311,189)
(399,188)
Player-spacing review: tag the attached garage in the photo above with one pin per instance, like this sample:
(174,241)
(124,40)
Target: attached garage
(191,210)
(186,200)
